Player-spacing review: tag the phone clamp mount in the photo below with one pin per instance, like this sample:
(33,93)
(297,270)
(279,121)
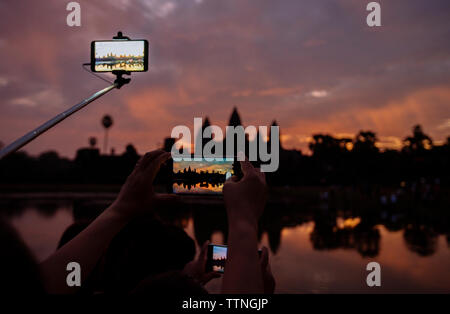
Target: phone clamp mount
(28,137)
(120,81)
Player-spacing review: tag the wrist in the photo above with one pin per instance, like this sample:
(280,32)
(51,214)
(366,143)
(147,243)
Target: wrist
(120,212)
(243,226)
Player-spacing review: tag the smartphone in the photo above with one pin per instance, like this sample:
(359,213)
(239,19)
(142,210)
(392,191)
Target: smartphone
(216,258)
(203,177)
(119,55)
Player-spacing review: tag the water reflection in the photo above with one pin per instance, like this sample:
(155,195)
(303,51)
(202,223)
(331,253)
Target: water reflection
(202,187)
(314,248)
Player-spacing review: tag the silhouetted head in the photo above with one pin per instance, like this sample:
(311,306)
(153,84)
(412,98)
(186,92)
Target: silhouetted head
(19,272)
(145,247)
(170,283)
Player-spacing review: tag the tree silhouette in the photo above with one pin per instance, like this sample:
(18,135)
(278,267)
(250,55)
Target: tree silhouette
(418,142)
(92,141)
(131,151)
(365,142)
(107,122)
(327,145)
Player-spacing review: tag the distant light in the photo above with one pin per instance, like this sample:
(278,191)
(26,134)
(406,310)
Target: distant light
(318,93)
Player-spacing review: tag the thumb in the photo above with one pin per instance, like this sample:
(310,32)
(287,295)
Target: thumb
(203,253)
(232,179)
(209,276)
(264,259)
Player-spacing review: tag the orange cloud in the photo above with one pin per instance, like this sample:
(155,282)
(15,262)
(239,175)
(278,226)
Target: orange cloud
(392,122)
(151,105)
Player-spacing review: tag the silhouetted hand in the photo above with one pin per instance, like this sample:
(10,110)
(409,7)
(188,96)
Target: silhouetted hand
(245,198)
(244,201)
(137,194)
(197,268)
(268,279)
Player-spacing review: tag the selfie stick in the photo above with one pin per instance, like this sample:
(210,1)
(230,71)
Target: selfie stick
(17,144)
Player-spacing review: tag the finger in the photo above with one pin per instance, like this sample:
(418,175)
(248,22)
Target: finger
(162,198)
(246,167)
(269,270)
(153,168)
(167,199)
(240,156)
(203,253)
(264,258)
(149,157)
(138,165)
(227,186)
(203,256)
(209,276)
(261,174)
(139,162)
(232,179)
(229,182)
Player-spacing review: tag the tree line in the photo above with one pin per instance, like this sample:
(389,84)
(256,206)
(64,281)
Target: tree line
(334,161)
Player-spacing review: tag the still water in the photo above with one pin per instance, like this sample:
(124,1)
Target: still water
(309,253)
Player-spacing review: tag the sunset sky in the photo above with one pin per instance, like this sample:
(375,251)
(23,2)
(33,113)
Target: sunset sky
(219,252)
(126,48)
(314,66)
(217,166)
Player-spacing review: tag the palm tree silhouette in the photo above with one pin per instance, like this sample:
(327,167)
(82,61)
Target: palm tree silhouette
(419,141)
(365,142)
(107,122)
(92,141)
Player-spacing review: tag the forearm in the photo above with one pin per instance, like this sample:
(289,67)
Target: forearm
(243,272)
(85,249)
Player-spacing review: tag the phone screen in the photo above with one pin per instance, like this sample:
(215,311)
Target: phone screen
(217,257)
(122,55)
(201,177)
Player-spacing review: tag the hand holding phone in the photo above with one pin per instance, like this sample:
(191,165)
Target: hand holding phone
(245,198)
(203,177)
(137,194)
(217,257)
(196,268)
